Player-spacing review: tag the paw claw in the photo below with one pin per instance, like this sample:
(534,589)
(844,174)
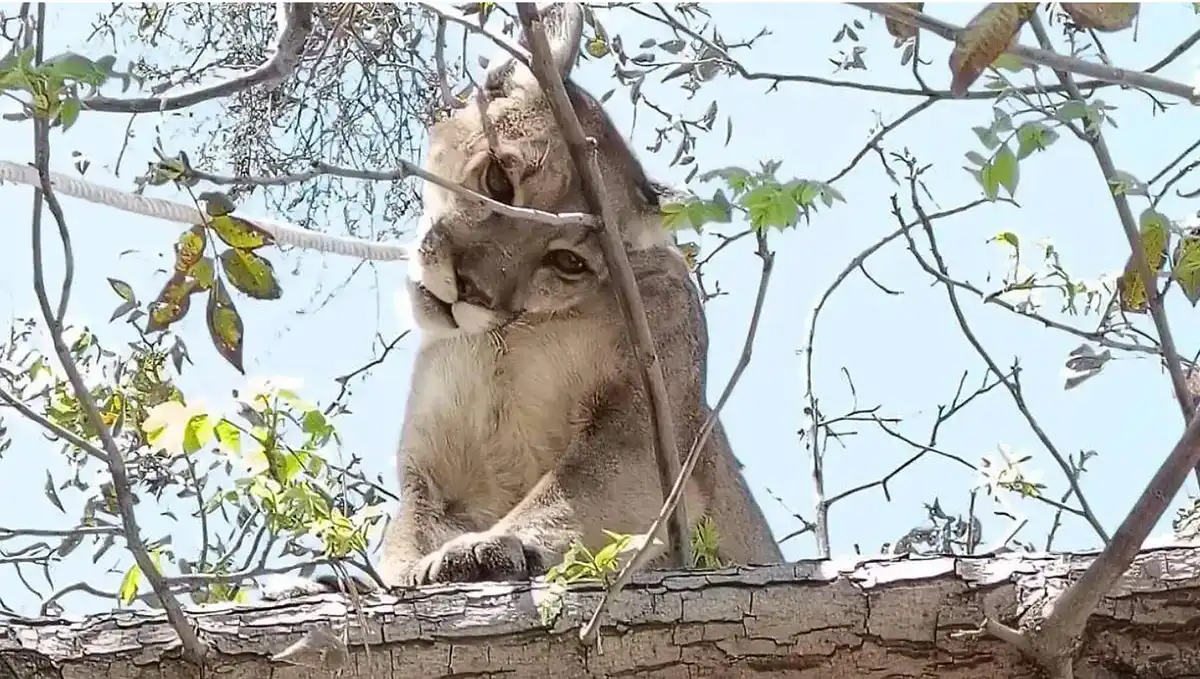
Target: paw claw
(475,557)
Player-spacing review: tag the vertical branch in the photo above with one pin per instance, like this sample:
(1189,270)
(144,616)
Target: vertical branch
(1130,227)
(112,454)
(628,296)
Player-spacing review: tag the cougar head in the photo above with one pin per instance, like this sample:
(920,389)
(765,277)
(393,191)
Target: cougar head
(473,270)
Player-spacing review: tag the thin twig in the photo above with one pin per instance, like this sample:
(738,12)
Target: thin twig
(1129,224)
(587,634)
(1058,62)
(295,19)
(405,171)
(453,16)
(1018,398)
(776,78)
(629,298)
(195,648)
(439,59)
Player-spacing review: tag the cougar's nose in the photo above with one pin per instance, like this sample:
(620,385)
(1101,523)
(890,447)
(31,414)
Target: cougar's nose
(470,292)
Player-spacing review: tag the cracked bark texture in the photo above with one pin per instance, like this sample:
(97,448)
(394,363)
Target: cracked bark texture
(811,619)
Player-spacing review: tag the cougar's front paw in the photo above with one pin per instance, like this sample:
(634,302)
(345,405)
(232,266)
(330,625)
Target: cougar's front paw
(478,557)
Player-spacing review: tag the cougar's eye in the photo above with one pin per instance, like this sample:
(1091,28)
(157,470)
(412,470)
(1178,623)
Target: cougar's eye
(496,182)
(566,262)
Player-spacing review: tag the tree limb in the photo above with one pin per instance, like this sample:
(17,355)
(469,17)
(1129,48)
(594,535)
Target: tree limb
(295,25)
(1118,76)
(628,296)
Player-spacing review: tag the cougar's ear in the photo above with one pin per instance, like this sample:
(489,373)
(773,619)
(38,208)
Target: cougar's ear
(563,24)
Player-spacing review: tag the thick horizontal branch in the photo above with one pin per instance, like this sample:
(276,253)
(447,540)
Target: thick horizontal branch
(295,25)
(811,619)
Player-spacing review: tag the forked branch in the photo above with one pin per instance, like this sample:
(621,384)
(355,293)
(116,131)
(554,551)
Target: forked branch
(295,25)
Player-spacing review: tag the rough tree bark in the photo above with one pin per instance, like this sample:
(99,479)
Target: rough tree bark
(811,619)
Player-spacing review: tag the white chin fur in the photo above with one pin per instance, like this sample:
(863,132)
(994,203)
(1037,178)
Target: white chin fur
(472,319)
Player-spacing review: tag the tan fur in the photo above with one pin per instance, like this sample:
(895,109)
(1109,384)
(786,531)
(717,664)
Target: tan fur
(526,424)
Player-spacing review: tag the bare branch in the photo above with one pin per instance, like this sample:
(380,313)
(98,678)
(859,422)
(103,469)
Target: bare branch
(1010,384)
(583,155)
(295,19)
(589,632)
(406,170)
(776,78)
(1053,60)
(1130,226)
(112,454)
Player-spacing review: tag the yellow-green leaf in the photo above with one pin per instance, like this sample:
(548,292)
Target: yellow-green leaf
(203,272)
(190,248)
(986,37)
(225,325)
(1131,293)
(123,289)
(129,584)
(1153,227)
(1185,267)
(1006,169)
(228,435)
(597,47)
(1102,16)
(239,233)
(250,273)
(197,432)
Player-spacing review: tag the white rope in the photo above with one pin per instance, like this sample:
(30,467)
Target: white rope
(284,233)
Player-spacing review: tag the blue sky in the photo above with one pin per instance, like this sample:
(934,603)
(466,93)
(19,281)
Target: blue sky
(905,352)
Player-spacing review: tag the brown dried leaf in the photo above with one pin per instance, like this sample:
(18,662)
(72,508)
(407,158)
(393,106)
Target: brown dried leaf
(172,303)
(900,30)
(1102,16)
(986,37)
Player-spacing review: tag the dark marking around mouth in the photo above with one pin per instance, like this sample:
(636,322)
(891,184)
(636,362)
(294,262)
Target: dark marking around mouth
(436,305)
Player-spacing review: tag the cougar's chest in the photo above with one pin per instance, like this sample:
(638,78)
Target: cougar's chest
(487,417)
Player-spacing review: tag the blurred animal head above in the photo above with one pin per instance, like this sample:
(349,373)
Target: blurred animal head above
(473,270)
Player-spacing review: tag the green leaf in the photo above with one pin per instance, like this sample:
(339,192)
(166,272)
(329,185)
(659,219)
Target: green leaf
(76,67)
(986,176)
(1185,267)
(251,274)
(123,289)
(197,432)
(239,233)
(225,325)
(217,204)
(987,136)
(228,435)
(770,205)
(1009,62)
(1071,110)
(68,113)
(976,158)
(204,273)
(1006,169)
(1006,237)
(1034,136)
(129,584)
